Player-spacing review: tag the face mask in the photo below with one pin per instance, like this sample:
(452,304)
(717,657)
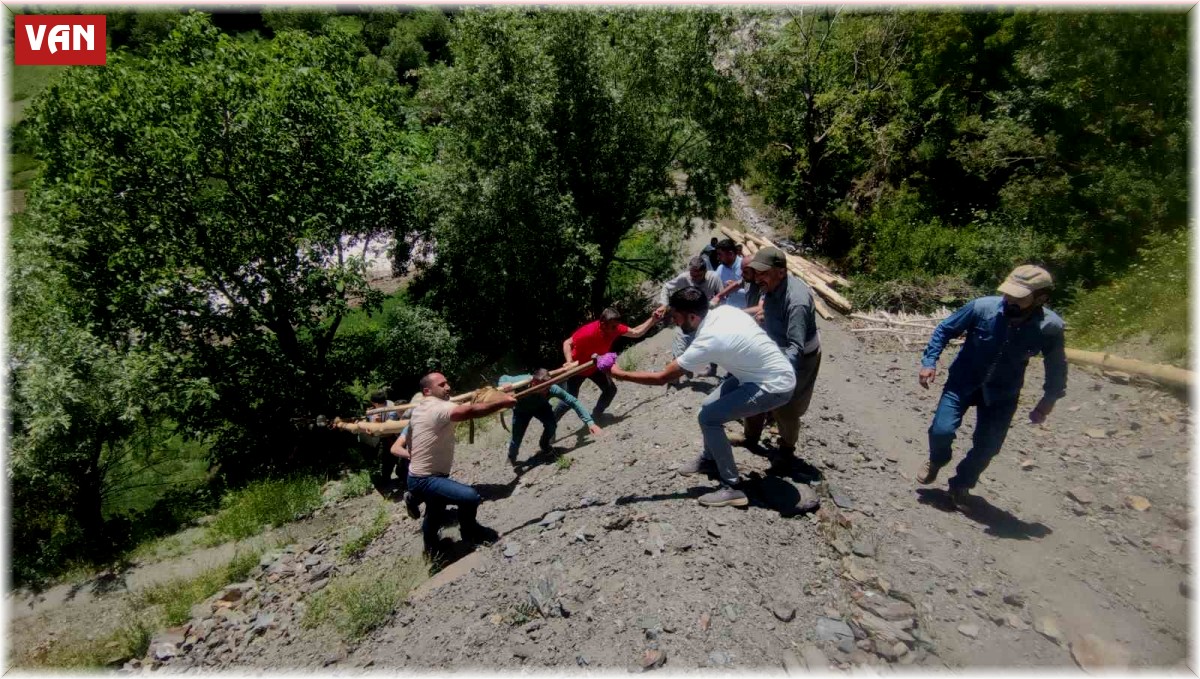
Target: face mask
(1013,310)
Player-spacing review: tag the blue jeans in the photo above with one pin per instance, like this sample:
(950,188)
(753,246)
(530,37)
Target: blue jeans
(437,492)
(520,421)
(608,391)
(727,403)
(992,423)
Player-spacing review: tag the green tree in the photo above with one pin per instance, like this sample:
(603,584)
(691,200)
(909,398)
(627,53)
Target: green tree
(563,130)
(207,198)
(81,410)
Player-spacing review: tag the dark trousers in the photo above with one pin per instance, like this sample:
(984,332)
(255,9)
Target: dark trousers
(991,428)
(438,492)
(520,422)
(608,391)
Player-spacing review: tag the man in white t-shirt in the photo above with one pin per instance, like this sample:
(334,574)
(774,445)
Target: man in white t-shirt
(760,379)
(431,447)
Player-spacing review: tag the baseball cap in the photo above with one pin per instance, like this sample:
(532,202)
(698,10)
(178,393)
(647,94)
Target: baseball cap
(767,258)
(1026,280)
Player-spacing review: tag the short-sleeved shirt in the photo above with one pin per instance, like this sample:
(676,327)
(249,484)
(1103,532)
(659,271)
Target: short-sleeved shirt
(730,338)
(432,437)
(591,339)
(728,274)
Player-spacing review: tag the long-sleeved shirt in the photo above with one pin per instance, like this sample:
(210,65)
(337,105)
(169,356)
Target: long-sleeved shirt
(790,319)
(995,353)
(711,285)
(532,402)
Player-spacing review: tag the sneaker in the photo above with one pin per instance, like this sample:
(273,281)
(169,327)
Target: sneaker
(929,473)
(960,498)
(700,465)
(725,497)
(412,506)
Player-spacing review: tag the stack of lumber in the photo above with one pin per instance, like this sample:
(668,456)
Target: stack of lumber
(816,275)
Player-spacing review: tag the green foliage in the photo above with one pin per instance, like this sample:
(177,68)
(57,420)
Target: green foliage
(629,359)
(271,502)
(1149,300)
(90,653)
(354,606)
(358,544)
(357,484)
(177,597)
(563,462)
(206,198)
(561,133)
(920,144)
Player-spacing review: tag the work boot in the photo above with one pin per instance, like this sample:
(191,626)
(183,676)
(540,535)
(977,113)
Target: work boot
(929,473)
(412,506)
(700,465)
(783,461)
(725,497)
(960,498)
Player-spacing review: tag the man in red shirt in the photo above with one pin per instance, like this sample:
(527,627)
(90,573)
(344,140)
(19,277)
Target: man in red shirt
(597,337)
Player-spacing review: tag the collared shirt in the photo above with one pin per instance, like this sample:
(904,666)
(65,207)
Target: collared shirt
(730,338)
(995,353)
(710,286)
(790,318)
(737,297)
(532,402)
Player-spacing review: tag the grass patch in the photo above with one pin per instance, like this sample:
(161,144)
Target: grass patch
(629,360)
(357,484)
(363,602)
(272,502)
(130,641)
(564,462)
(378,525)
(177,597)
(360,320)
(1149,299)
(915,294)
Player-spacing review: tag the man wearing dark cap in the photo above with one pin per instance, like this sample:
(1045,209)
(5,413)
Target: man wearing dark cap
(1002,334)
(789,318)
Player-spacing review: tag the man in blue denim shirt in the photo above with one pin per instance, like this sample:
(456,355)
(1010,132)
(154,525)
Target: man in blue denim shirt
(1003,333)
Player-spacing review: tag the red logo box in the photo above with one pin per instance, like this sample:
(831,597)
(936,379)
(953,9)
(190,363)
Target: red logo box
(59,40)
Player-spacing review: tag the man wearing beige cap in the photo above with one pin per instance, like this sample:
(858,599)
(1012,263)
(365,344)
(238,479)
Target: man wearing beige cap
(1002,334)
(790,320)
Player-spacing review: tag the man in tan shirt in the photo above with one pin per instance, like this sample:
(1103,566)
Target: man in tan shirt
(431,445)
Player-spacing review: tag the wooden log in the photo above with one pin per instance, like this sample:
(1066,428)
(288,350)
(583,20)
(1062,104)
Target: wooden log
(561,377)
(372,428)
(463,398)
(814,269)
(798,269)
(1166,374)
(889,321)
(890,331)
